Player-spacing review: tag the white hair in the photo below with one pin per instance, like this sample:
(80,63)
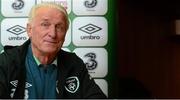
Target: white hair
(50,5)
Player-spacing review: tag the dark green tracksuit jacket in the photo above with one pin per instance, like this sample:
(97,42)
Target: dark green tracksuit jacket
(71,70)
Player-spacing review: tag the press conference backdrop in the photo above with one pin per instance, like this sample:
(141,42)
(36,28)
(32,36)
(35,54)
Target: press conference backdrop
(90,34)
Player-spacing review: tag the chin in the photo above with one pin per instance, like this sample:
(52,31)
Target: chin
(49,50)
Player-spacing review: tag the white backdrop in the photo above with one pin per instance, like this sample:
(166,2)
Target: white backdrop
(87,35)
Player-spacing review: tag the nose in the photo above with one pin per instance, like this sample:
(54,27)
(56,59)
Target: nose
(52,32)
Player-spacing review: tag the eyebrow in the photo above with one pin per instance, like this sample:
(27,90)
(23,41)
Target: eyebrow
(45,19)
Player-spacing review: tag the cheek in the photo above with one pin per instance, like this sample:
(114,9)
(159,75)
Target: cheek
(35,35)
(62,37)
(37,32)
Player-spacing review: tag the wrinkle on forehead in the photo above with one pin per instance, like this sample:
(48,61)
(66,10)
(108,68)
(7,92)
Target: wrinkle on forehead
(49,13)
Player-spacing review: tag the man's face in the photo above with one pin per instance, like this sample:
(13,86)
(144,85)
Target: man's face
(47,30)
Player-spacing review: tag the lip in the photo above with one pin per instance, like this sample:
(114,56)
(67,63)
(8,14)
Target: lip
(50,41)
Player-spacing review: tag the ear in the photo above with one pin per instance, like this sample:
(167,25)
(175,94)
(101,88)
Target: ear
(29,30)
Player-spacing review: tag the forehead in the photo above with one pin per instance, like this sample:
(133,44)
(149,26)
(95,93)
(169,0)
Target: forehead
(49,12)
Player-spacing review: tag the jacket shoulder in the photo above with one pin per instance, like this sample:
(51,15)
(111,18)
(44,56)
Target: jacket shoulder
(69,58)
(72,63)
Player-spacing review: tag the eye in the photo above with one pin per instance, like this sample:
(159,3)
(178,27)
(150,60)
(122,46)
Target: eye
(60,27)
(45,24)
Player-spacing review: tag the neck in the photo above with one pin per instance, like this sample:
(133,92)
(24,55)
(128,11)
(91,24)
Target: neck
(44,58)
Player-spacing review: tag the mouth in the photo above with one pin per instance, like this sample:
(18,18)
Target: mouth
(50,41)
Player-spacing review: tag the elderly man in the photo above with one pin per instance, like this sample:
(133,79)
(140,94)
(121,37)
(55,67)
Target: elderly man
(39,69)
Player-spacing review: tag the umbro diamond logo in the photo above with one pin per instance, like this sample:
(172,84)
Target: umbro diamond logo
(90,28)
